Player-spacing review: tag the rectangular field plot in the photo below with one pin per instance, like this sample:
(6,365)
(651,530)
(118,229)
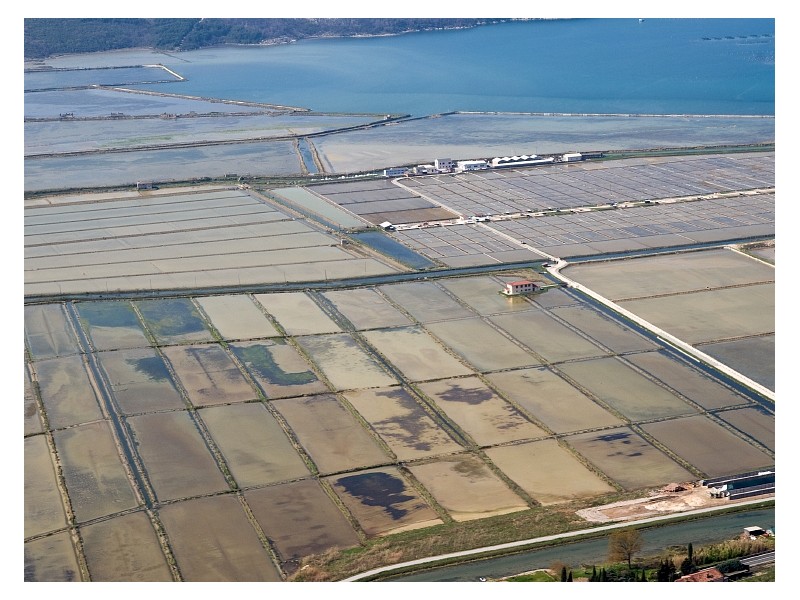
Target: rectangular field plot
(175,456)
(753,357)
(297,313)
(124,548)
(253,444)
(44,510)
(111,325)
(346,365)
(213,540)
(366,309)
(66,391)
(480,412)
(47,331)
(425,301)
(415,353)
(690,382)
(712,315)
(139,380)
(402,423)
(547,472)
(481,345)
(383,502)
(547,337)
(97,482)
(481,293)
(32,423)
(51,558)
(237,317)
(551,400)
(208,374)
(300,519)
(333,438)
(708,446)
(628,459)
(631,394)
(174,320)
(278,368)
(754,422)
(670,274)
(611,334)
(466,488)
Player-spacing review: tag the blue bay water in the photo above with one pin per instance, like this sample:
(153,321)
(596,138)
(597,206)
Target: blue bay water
(657,66)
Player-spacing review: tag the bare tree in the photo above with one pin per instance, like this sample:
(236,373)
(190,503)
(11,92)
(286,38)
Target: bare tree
(623,545)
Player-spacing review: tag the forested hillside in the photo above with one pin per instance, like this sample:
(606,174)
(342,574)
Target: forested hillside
(47,37)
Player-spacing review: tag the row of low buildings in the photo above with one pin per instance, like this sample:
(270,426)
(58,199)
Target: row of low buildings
(448,165)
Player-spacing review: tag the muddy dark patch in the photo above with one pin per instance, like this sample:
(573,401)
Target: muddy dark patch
(152,366)
(615,437)
(378,489)
(471,396)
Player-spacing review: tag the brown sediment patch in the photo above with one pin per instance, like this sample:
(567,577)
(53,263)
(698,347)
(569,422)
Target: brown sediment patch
(44,510)
(415,353)
(124,548)
(96,480)
(547,472)
(297,313)
(208,374)
(551,400)
(213,540)
(479,411)
(253,444)
(175,456)
(628,459)
(67,394)
(300,520)
(481,345)
(346,364)
(33,422)
(332,436)
(366,309)
(466,487)
(425,301)
(402,423)
(237,317)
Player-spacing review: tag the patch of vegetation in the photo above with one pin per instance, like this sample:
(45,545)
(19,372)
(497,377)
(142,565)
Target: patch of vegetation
(48,37)
(535,576)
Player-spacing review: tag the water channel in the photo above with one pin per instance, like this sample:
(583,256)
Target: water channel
(698,532)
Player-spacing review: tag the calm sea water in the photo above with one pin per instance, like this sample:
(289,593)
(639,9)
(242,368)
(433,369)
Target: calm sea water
(656,66)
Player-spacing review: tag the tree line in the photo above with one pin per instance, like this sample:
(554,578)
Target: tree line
(49,37)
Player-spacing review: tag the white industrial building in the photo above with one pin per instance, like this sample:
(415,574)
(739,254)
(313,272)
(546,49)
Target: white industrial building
(471,165)
(444,165)
(572,157)
(525,160)
(395,172)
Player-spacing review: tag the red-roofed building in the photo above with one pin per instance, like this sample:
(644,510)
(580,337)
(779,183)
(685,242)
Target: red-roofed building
(523,286)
